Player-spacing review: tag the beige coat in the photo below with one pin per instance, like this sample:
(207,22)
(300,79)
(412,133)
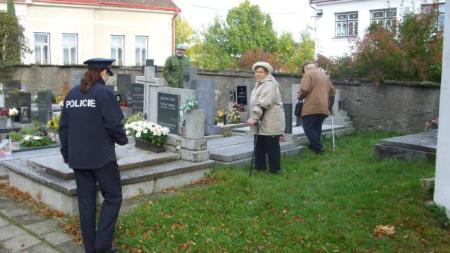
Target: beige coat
(266,94)
(316,88)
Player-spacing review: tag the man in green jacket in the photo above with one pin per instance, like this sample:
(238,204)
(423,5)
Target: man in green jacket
(176,68)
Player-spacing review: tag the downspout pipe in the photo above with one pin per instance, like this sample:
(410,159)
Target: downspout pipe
(177,12)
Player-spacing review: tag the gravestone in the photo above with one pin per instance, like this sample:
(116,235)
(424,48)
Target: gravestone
(288,118)
(149,72)
(24,103)
(124,86)
(151,108)
(294,95)
(168,111)
(149,62)
(44,103)
(137,97)
(123,79)
(241,94)
(75,77)
(190,84)
(11,89)
(205,90)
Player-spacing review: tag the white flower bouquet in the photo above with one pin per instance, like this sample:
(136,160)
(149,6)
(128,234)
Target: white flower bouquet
(13,112)
(148,131)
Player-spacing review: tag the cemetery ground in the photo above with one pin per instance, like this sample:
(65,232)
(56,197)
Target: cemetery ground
(337,202)
(342,201)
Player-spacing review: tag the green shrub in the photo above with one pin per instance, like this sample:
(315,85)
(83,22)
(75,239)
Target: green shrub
(15,136)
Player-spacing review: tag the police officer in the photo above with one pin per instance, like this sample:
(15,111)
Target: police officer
(91,124)
(176,68)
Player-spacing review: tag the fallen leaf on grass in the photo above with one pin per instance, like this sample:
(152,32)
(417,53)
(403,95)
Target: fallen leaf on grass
(384,230)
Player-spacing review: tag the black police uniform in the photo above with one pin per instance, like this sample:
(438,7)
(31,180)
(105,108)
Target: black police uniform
(90,125)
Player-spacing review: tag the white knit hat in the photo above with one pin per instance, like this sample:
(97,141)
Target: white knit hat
(263,64)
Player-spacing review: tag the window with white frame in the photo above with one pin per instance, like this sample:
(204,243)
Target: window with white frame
(439,9)
(42,48)
(385,17)
(141,50)
(347,24)
(70,48)
(117,49)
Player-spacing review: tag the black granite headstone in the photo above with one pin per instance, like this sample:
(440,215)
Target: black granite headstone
(288,118)
(149,62)
(168,111)
(124,86)
(75,77)
(11,89)
(123,79)
(241,94)
(44,103)
(137,97)
(25,107)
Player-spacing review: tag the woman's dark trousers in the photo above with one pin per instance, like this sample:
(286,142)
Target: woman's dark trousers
(267,148)
(108,179)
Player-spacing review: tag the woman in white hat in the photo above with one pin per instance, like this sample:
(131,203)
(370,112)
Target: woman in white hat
(267,111)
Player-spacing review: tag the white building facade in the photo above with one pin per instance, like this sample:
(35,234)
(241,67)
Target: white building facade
(338,23)
(62,32)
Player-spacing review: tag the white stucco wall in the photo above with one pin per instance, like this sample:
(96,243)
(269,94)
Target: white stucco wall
(442,187)
(94,27)
(326,42)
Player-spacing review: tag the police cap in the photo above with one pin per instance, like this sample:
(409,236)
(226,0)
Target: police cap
(100,63)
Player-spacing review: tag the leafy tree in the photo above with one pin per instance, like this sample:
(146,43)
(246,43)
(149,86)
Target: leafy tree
(286,53)
(183,31)
(12,44)
(211,52)
(248,28)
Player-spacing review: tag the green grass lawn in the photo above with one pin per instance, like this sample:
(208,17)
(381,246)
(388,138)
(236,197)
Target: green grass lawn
(329,203)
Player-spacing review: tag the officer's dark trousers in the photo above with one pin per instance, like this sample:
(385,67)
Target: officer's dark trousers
(312,125)
(267,147)
(108,179)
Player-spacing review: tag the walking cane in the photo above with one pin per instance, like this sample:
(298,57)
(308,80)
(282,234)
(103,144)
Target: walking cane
(256,141)
(254,149)
(332,132)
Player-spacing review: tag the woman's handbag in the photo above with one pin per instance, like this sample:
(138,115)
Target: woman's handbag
(298,108)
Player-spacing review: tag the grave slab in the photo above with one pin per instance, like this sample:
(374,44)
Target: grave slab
(414,147)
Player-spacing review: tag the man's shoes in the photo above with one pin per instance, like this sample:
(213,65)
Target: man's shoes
(320,152)
(112,250)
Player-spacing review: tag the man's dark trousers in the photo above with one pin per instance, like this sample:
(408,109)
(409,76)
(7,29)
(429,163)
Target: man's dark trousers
(108,178)
(312,125)
(267,148)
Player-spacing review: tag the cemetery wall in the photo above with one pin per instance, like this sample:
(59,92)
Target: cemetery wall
(392,105)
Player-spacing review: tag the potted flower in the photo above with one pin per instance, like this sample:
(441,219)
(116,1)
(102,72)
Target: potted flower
(148,135)
(4,117)
(36,141)
(16,139)
(234,117)
(243,115)
(185,111)
(13,113)
(53,127)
